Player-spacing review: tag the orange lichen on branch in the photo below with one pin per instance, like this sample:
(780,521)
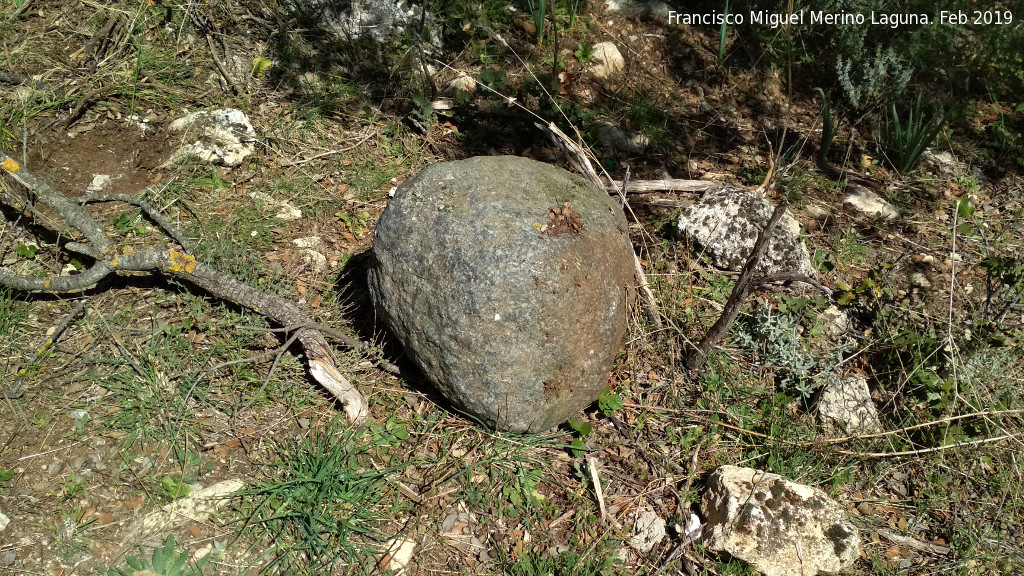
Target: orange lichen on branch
(181,262)
(11,166)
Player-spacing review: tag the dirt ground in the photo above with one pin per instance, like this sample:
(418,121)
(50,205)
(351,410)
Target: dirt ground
(157,393)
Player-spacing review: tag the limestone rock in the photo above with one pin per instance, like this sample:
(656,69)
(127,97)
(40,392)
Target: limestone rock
(462,82)
(607,60)
(612,136)
(835,323)
(725,224)
(223,136)
(646,9)
(868,203)
(505,280)
(374,19)
(846,407)
(779,527)
(650,530)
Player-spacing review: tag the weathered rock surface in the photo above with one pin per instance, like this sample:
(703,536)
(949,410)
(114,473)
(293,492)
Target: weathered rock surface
(616,138)
(376,19)
(505,280)
(779,527)
(223,136)
(725,224)
(868,203)
(607,60)
(646,9)
(846,407)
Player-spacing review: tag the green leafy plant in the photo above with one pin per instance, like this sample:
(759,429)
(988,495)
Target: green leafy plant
(6,476)
(538,12)
(609,402)
(168,561)
(583,429)
(723,31)
(423,109)
(125,224)
(173,486)
(584,53)
(26,251)
(774,335)
(904,144)
(828,125)
(260,66)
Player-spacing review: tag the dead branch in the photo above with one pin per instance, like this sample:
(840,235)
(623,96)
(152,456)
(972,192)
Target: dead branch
(696,356)
(148,209)
(668,185)
(110,259)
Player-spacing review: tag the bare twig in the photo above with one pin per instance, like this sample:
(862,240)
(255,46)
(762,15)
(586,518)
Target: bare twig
(668,185)
(696,357)
(914,543)
(111,259)
(170,229)
(598,491)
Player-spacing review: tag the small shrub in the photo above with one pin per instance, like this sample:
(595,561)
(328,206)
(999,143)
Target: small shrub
(904,144)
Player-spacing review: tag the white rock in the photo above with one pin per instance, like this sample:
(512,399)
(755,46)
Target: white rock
(463,82)
(99,182)
(648,9)
(846,407)
(223,136)
(725,224)
(920,280)
(616,138)
(943,162)
(309,242)
(315,260)
(196,507)
(4,521)
(285,210)
(835,323)
(779,527)
(607,60)
(868,203)
(650,530)
(399,553)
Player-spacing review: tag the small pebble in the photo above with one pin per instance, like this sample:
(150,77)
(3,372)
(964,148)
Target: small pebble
(8,559)
(865,509)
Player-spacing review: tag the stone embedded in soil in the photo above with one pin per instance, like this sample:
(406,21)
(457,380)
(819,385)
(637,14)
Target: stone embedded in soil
(868,203)
(223,136)
(725,224)
(608,60)
(505,279)
(779,527)
(846,407)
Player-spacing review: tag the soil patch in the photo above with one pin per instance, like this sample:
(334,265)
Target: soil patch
(69,159)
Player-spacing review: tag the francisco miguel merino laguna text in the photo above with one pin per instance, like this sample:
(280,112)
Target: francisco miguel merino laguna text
(774,19)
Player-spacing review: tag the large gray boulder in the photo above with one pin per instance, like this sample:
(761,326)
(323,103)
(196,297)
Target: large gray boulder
(505,280)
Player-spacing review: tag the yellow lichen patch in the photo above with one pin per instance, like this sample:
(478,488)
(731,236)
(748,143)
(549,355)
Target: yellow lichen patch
(182,262)
(11,166)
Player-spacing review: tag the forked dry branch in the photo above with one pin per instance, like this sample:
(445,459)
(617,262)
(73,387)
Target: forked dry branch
(109,258)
